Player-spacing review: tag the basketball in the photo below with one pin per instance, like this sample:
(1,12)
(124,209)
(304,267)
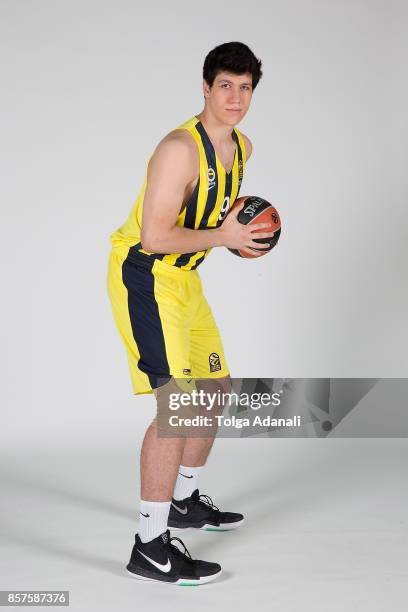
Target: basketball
(258,210)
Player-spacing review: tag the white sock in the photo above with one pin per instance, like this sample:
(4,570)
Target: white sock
(186,481)
(153,519)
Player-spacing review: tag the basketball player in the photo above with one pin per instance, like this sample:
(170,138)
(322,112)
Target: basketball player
(191,182)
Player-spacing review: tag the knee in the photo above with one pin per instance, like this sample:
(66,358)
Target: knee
(225,384)
(212,385)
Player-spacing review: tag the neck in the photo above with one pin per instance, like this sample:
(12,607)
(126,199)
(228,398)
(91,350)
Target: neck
(220,133)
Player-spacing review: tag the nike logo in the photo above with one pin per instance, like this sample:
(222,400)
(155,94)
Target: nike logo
(181,510)
(146,515)
(185,475)
(163,568)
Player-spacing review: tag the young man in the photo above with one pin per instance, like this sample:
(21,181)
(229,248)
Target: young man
(192,180)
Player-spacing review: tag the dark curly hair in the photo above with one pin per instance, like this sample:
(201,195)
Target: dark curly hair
(235,57)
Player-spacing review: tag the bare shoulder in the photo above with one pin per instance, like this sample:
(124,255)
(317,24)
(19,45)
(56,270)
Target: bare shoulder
(248,145)
(182,136)
(178,151)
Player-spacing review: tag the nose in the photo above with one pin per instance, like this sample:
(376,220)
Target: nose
(235,94)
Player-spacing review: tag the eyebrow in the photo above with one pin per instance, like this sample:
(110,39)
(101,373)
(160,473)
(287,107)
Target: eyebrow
(227,81)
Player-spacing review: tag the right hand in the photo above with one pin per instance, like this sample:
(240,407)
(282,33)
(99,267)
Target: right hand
(235,235)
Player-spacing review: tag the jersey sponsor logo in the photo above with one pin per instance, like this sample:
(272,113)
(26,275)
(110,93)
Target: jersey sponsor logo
(211,178)
(224,208)
(215,362)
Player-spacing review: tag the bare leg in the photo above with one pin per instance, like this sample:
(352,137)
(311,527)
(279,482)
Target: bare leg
(159,463)
(160,456)
(196,450)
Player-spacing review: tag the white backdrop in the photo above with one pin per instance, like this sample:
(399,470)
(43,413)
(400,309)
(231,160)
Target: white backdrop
(89,88)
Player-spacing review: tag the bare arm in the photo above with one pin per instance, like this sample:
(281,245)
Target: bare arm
(175,164)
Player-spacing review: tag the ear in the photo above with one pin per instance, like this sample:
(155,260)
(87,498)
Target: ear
(206,89)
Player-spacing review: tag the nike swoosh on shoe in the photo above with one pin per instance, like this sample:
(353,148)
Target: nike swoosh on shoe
(181,510)
(163,568)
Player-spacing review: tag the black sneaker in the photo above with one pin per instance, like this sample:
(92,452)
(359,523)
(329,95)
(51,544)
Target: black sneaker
(199,512)
(161,561)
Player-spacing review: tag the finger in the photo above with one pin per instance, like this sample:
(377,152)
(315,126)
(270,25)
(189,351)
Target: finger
(236,209)
(262,235)
(255,226)
(251,252)
(259,246)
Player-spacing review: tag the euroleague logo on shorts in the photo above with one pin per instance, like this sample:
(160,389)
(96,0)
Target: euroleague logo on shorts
(215,362)
(211,178)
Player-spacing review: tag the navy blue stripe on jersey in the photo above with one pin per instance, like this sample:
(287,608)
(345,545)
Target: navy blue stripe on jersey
(134,254)
(213,186)
(207,144)
(211,193)
(228,187)
(227,194)
(197,263)
(184,259)
(191,208)
(145,320)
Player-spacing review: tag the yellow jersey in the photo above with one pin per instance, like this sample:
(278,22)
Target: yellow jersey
(212,198)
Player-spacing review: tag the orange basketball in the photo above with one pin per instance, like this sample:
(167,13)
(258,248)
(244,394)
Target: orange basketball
(258,210)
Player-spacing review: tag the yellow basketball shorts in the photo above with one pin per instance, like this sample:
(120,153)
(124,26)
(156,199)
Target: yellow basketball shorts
(164,320)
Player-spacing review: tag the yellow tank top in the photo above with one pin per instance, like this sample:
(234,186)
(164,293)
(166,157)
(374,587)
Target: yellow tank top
(213,196)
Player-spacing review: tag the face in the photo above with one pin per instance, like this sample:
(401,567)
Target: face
(229,97)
